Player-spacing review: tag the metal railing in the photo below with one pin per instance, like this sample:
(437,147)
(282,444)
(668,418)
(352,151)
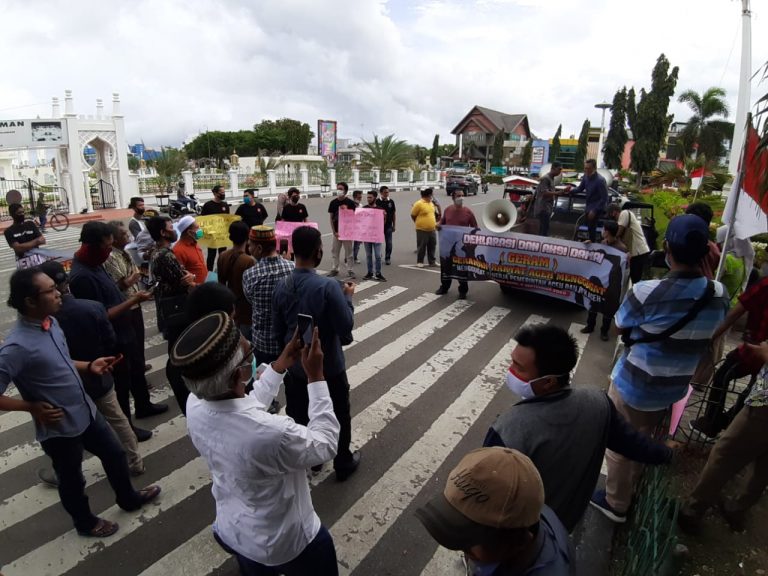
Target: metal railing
(290,179)
(385,176)
(366,176)
(257,180)
(208,181)
(402,175)
(53,196)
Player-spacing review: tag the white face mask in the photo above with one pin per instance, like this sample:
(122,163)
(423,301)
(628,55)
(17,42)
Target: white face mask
(458,201)
(340,193)
(522,388)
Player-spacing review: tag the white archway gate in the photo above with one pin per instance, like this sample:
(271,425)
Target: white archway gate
(70,135)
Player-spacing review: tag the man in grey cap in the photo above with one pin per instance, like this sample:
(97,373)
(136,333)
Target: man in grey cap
(492,508)
(258,461)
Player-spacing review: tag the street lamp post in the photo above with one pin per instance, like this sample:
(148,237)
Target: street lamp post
(600,161)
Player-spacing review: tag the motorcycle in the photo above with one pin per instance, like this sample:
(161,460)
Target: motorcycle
(177,208)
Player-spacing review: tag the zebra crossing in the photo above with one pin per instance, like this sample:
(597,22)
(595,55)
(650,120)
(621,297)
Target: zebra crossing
(427,380)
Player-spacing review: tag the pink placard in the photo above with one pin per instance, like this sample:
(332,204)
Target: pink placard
(363,225)
(285,230)
(677,412)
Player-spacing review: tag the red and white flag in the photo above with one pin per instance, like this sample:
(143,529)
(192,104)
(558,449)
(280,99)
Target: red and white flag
(697,175)
(749,217)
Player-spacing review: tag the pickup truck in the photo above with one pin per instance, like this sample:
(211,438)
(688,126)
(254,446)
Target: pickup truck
(457,181)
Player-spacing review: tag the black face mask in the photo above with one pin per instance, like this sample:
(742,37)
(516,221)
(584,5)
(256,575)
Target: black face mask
(18,218)
(295,199)
(140,210)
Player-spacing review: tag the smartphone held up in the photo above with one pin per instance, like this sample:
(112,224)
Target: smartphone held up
(306,327)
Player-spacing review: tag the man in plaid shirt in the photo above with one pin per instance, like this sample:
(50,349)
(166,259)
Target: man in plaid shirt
(259,283)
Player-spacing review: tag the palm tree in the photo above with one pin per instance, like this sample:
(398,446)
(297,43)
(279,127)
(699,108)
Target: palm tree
(705,132)
(169,165)
(387,153)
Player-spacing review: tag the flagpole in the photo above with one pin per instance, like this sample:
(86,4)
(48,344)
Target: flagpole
(737,185)
(745,77)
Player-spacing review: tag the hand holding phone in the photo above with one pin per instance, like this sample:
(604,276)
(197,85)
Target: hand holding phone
(306,325)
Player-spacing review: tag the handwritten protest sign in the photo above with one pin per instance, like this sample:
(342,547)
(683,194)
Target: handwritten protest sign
(284,230)
(363,225)
(592,276)
(215,229)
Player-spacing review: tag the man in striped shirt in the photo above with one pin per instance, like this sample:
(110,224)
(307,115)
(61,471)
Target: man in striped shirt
(651,376)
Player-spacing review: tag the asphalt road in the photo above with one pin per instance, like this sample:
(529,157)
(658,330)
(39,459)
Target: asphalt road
(427,377)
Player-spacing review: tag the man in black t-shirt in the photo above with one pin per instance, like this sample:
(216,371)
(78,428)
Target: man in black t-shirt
(385,202)
(251,211)
(22,236)
(215,206)
(341,202)
(293,211)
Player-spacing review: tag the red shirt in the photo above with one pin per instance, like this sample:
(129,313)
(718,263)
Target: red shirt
(458,216)
(755,302)
(189,255)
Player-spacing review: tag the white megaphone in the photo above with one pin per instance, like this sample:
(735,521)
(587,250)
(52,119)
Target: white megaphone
(605,173)
(499,216)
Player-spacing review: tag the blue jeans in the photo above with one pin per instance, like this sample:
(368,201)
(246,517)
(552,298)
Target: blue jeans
(388,243)
(318,559)
(374,247)
(67,456)
(43,218)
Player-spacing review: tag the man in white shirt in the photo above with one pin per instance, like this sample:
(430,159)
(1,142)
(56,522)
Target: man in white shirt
(258,461)
(632,235)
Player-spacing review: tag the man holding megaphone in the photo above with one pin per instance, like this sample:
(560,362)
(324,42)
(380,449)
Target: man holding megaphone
(456,215)
(544,204)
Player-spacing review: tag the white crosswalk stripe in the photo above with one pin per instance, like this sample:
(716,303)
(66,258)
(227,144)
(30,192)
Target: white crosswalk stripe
(400,321)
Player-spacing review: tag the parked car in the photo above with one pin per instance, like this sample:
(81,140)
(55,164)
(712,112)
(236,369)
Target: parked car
(465,182)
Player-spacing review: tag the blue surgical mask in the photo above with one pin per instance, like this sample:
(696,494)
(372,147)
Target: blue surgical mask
(246,199)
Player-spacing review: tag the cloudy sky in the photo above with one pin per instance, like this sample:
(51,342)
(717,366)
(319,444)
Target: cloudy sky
(409,67)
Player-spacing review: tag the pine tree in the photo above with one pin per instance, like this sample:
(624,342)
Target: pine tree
(652,119)
(554,150)
(617,132)
(498,149)
(435,147)
(581,150)
(527,154)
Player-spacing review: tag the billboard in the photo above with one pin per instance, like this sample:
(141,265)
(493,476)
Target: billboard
(539,155)
(37,133)
(326,139)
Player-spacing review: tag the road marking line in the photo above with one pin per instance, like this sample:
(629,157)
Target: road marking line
(199,555)
(370,517)
(392,317)
(424,269)
(384,356)
(382,296)
(445,563)
(36,498)
(68,550)
(375,418)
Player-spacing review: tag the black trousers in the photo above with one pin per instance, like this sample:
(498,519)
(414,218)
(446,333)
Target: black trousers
(606,325)
(67,457)
(637,266)
(297,407)
(130,379)
(211,257)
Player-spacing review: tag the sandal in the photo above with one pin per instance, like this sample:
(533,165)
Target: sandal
(103,529)
(148,494)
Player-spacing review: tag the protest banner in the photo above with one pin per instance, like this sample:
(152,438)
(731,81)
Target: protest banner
(215,229)
(284,230)
(37,256)
(590,275)
(363,225)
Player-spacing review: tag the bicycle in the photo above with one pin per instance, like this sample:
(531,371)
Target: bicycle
(56,219)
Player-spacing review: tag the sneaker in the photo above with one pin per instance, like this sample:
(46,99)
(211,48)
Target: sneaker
(387,262)
(420,265)
(704,427)
(380,278)
(48,477)
(368,276)
(434,265)
(357,261)
(587,330)
(462,296)
(346,471)
(599,502)
(333,273)
(441,291)
(604,336)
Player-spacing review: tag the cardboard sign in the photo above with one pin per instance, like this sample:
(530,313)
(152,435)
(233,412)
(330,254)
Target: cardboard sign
(284,230)
(215,229)
(363,225)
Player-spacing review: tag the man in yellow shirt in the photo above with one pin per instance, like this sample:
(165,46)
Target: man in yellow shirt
(423,214)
